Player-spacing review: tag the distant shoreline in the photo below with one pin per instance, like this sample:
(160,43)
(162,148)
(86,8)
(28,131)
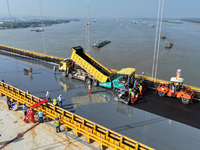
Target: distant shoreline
(31,24)
(196,21)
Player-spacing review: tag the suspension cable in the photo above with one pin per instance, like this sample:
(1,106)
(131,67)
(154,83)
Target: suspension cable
(13,35)
(155,45)
(87,15)
(42,25)
(159,38)
(11,26)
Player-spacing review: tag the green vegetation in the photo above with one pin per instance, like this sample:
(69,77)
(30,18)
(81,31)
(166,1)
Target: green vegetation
(6,25)
(173,21)
(192,20)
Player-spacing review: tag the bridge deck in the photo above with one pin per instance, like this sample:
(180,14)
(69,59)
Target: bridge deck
(154,121)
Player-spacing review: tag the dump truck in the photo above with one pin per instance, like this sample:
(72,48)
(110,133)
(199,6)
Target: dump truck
(82,66)
(176,89)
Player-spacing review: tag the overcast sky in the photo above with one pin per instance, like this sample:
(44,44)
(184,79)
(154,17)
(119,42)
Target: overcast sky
(102,8)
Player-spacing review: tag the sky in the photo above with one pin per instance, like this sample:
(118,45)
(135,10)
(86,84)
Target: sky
(102,8)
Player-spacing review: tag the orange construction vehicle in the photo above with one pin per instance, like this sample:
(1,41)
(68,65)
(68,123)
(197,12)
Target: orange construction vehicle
(176,89)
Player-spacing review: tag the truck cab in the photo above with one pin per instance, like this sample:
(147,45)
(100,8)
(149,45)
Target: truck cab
(64,66)
(125,79)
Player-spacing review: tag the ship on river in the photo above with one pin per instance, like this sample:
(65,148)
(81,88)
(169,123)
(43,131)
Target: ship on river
(39,30)
(99,45)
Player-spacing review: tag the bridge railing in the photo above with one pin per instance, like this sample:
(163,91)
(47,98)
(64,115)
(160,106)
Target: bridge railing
(31,54)
(93,131)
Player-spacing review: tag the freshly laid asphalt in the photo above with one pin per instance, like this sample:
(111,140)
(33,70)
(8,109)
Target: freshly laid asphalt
(159,122)
(171,108)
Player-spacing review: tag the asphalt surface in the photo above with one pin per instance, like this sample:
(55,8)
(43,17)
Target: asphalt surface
(171,108)
(159,122)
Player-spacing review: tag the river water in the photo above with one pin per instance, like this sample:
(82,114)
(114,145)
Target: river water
(132,45)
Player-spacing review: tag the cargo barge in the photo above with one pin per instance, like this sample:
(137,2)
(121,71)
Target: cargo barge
(99,45)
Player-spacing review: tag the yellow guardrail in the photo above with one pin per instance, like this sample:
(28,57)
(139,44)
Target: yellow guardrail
(33,53)
(93,131)
(151,79)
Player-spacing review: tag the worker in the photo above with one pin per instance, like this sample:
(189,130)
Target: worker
(132,95)
(28,92)
(129,90)
(176,83)
(140,88)
(25,109)
(172,87)
(140,80)
(55,102)
(47,96)
(2,80)
(32,116)
(40,114)
(57,125)
(143,82)
(9,103)
(30,69)
(14,106)
(132,80)
(177,86)
(135,83)
(60,99)
(89,88)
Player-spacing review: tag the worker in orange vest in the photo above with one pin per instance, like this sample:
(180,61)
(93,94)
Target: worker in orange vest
(30,69)
(89,88)
(32,116)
